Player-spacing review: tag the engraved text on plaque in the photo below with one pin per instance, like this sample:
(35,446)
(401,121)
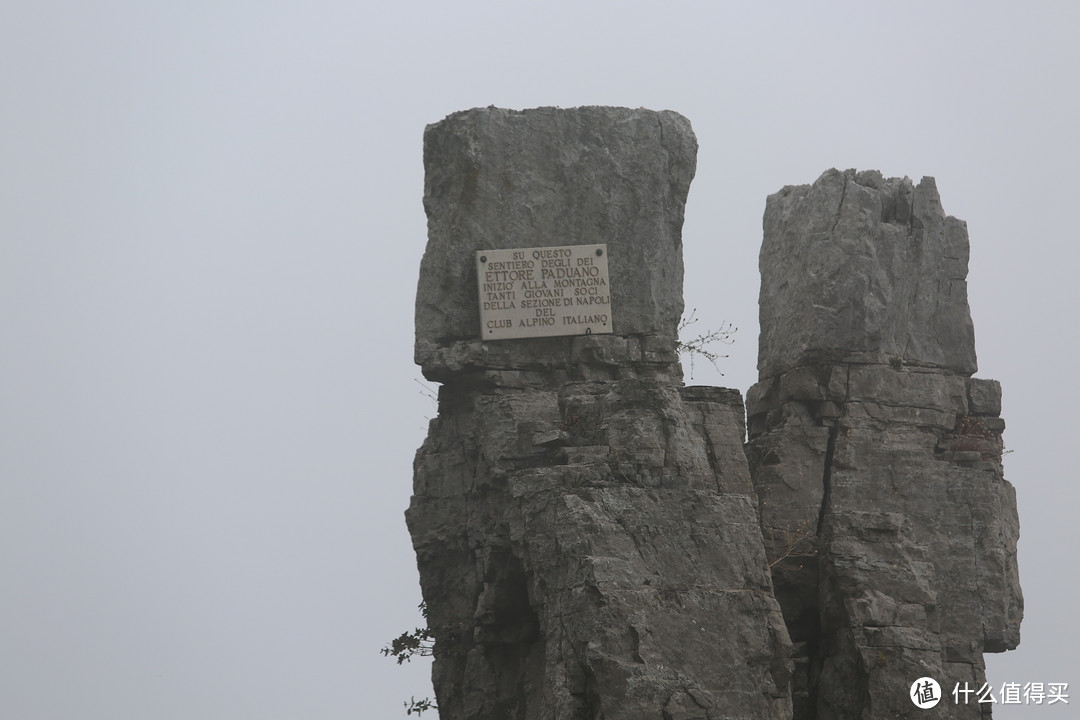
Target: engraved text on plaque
(537,292)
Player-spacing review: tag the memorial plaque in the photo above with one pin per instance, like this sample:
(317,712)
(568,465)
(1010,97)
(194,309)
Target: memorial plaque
(540,292)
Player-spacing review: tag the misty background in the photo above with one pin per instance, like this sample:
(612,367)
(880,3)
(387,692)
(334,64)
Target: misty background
(210,231)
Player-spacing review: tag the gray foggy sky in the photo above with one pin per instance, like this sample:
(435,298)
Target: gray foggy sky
(210,230)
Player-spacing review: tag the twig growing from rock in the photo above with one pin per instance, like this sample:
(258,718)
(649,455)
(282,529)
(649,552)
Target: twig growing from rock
(701,346)
(416,707)
(795,537)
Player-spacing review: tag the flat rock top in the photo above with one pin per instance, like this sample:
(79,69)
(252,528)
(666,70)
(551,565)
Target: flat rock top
(500,179)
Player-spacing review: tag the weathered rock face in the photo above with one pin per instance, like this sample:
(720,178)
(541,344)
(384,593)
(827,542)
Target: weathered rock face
(584,526)
(875,455)
(858,268)
(499,179)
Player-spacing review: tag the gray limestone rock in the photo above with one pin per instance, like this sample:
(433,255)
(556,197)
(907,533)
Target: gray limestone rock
(876,458)
(585,527)
(614,569)
(985,396)
(591,540)
(499,179)
(860,268)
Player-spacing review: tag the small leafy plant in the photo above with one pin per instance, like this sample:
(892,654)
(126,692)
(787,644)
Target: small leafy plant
(404,648)
(415,707)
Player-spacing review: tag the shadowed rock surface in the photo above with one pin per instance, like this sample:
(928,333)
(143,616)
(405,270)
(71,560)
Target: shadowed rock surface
(584,526)
(875,455)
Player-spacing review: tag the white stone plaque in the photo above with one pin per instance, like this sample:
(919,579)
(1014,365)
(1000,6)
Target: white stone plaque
(539,292)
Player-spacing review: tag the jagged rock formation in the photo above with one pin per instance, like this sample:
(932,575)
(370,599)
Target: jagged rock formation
(876,457)
(585,527)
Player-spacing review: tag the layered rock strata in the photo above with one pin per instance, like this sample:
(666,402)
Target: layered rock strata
(584,526)
(875,455)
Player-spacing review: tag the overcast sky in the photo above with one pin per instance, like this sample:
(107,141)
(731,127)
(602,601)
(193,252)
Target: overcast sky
(210,229)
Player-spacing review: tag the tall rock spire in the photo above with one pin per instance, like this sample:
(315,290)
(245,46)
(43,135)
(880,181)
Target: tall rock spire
(584,525)
(875,455)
